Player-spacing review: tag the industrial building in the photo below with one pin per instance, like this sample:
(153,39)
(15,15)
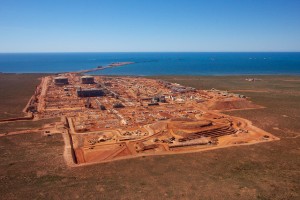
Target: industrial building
(118,105)
(123,117)
(61,80)
(159,99)
(87,80)
(93,92)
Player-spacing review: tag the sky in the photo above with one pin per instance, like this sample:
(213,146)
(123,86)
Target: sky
(149,25)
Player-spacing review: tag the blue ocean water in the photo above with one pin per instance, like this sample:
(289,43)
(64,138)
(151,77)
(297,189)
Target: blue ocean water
(155,63)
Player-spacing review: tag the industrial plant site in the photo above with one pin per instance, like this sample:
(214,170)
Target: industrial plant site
(106,118)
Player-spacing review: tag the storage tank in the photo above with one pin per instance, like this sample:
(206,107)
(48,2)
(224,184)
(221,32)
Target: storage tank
(61,80)
(87,80)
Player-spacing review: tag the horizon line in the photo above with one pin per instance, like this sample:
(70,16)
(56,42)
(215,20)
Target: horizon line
(41,52)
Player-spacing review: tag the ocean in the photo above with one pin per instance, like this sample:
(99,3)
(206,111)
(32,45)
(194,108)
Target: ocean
(147,64)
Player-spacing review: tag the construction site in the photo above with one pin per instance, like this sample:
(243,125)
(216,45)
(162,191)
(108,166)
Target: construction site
(108,118)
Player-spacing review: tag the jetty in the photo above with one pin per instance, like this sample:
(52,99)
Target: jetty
(115,64)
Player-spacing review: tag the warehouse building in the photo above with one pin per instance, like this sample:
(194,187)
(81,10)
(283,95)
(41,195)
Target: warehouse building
(93,92)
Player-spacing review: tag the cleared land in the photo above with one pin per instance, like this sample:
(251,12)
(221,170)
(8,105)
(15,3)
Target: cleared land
(261,171)
(15,91)
(124,117)
(280,95)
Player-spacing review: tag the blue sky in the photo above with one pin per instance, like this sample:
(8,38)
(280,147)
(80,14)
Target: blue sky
(149,25)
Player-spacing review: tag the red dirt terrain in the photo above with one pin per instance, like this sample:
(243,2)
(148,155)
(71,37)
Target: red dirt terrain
(33,166)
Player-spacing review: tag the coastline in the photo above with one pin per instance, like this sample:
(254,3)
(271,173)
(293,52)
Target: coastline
(155,63)
(157,75)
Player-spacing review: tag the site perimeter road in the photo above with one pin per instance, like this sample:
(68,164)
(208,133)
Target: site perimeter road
(268,171)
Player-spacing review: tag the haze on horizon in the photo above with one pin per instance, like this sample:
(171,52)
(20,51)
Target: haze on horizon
(147,26)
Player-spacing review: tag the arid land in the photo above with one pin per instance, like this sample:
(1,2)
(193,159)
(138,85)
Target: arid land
(262,171)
